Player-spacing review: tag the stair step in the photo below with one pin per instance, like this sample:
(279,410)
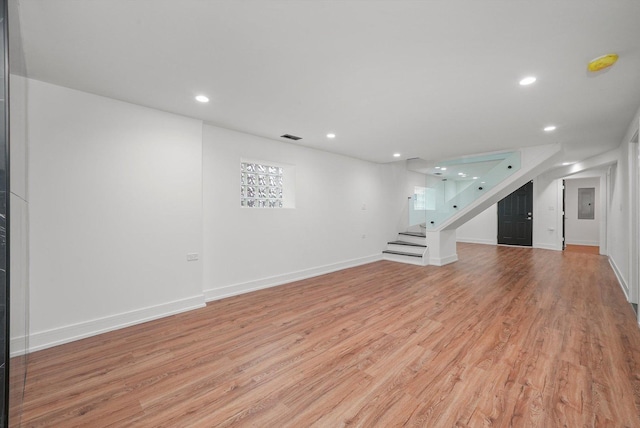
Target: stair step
(402,253)
(411,244)
(418,234)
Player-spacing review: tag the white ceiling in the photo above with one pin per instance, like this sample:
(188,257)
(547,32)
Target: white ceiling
(429,79)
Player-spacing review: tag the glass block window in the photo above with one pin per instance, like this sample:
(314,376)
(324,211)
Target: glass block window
(260,185)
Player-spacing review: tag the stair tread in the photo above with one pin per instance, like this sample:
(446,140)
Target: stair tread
(411,244)
(418,234)
(402,253)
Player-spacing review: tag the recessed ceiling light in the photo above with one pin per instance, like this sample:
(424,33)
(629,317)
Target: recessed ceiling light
(567,163)
(483,182)
(443,168)
(331,135)
(461,173)
(527,80)
(396,155)
(475,178)
(437,167)
(202,98)
(550,128)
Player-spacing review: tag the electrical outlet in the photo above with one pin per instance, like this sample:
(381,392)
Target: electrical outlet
(192,257)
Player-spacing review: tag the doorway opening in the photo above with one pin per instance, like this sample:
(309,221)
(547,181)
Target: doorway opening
(582,214)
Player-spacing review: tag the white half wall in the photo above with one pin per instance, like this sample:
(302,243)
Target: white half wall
(342,215)
(581,231)
(115,205)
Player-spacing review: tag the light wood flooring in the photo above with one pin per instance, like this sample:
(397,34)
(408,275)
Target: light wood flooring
(504,337)
(589,249)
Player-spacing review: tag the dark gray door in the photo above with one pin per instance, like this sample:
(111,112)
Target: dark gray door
(515,217)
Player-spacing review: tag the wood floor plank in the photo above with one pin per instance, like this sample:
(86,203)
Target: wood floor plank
(503,337)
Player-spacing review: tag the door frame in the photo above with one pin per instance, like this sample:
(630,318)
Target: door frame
(634,292)
(634,217)
(564,216)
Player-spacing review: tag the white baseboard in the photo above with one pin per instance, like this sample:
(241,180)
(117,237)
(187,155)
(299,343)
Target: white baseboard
(477,241)
(436,261)
(259,284)
(18,346)
(58,336)
(621,281)
(547,247)
(579,242)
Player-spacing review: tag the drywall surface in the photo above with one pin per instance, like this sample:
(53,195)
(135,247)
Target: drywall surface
(618,219)
(345,211)
(115,206)
(618,212)
(482,229)
(547,212)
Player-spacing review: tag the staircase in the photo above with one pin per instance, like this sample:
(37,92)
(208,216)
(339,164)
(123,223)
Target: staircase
(453,192)
(410,247)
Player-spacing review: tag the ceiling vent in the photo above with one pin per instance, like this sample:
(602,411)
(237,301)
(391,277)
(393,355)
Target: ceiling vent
(291,137)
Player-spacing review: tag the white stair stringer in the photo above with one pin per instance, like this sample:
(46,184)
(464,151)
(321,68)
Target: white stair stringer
(409,248)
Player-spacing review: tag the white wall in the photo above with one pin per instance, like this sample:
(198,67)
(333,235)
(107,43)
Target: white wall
(618,212)
(119,193)
(346,210)
(482,229)
(581,231)
(547,213)
(618,218)
(19,267)
(115,206)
